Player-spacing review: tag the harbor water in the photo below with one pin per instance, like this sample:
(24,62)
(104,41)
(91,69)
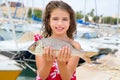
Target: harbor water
(27,73)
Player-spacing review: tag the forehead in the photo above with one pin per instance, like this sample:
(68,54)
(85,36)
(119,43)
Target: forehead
(59,12)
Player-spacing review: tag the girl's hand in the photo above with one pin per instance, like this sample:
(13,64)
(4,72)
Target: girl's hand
(64,55)
(48,55)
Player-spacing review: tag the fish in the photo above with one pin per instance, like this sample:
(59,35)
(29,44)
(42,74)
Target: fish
(37,47)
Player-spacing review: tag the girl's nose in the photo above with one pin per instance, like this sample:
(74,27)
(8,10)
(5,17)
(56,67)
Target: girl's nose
(60,22)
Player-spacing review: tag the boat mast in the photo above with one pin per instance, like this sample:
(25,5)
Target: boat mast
(33,11)
(32,7)
(23,12)
(27,10)
(11,23)
(17,5)
(96,10)
(118,13)
(43,7)
(84,10)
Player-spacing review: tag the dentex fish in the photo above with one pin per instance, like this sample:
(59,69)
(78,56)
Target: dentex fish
(37,47)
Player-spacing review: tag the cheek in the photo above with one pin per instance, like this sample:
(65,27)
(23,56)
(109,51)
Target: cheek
(68,25)
(51,23)
(67,28)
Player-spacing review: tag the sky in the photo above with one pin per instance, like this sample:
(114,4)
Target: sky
(101,7)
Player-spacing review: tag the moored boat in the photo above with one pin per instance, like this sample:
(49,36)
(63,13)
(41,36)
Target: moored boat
(9,69)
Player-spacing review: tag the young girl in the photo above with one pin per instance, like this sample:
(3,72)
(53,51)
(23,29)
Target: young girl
(58,22)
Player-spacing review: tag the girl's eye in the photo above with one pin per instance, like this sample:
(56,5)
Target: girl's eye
(65,19)
(54,18)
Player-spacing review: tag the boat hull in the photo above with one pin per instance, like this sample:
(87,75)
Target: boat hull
(9,74)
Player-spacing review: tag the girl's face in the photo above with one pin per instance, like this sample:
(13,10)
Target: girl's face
(59,22)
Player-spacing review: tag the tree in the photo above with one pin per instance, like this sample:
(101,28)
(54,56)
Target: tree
(37,13)
(92,13)
(79,15)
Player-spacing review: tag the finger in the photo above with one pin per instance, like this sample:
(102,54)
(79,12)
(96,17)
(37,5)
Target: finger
(54,53)
(44,52)
(69,52)
(65,52)
(47,53)
(59,53)
(51,53)
(62,52)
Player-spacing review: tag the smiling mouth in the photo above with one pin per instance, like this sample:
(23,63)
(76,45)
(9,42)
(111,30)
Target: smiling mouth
(59,28)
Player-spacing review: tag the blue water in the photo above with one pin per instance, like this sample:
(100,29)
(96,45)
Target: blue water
(27,73)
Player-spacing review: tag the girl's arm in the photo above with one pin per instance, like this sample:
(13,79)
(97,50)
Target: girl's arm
(64,56)
(44,63)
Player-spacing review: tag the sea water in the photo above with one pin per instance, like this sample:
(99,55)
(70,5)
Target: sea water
(27,73)
(25,78)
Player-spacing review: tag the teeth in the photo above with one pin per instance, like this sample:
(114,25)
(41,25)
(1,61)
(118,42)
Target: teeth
(59,28)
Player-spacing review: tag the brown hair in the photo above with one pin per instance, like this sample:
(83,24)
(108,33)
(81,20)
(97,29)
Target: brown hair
(47,14)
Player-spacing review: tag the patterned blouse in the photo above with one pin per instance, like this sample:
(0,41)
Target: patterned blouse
(54,73)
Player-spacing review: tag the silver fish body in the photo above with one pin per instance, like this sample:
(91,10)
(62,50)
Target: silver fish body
(56,44)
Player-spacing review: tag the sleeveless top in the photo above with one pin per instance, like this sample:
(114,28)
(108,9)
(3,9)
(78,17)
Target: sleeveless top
(54,73)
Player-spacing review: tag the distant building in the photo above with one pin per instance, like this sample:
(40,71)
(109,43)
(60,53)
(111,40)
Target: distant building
(14,4)
(17,12)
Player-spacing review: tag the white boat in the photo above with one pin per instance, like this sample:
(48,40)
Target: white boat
(108,40)
(9,69)
(12,44)
(91,40)
(20,44)
(14,49)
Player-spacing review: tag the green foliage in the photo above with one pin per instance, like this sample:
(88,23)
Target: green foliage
(91,13)
(79,15)
(110,20)
(106,19)
(115,21)
(86,18)
(37,13)
(30,13)
(96,19)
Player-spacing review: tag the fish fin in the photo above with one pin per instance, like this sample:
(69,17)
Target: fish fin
(32,47)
